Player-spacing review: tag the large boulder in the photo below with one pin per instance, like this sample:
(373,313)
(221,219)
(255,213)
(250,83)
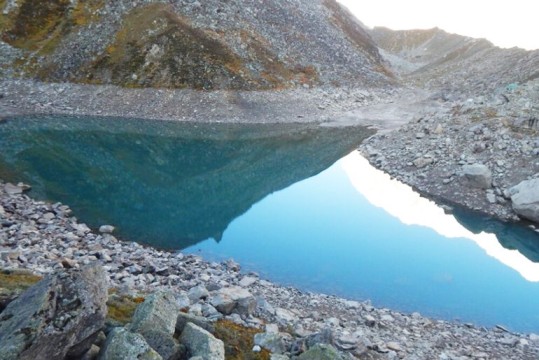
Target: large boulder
(201,343)
(58,317)
(525,199)
(155,320)
(122,344)
(478,175)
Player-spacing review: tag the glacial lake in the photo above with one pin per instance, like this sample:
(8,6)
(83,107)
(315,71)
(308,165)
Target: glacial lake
(294,203)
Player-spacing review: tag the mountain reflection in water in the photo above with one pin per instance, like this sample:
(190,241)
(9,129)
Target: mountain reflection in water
(498,239)
(166,184)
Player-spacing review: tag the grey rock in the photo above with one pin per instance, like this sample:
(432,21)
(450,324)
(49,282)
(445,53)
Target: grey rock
(200,342)
(525,199)
(11,189)
(155,320)
(234,299)
(106,229)
(183,319)
(323,337)
(247,281)
(59,316)
(122,344)
(478,175)
(422,162)
(157,312)
(264,306)
(271,341)
(285,316)
(321,352)
(198,292)
(279,357)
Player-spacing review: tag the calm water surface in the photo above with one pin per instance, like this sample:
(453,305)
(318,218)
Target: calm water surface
(285,201)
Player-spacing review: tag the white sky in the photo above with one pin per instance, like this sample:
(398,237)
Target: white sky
(505,23)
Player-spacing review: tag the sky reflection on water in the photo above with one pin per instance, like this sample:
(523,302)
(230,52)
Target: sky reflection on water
(353,232)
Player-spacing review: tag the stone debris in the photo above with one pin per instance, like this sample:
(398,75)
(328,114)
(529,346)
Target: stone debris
(291,322)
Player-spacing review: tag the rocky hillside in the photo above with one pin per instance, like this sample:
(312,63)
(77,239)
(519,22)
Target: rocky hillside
(212,44)
(457,64)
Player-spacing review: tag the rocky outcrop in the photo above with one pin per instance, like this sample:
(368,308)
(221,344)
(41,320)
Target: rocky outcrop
(59,317)
(525,199)
(182,43)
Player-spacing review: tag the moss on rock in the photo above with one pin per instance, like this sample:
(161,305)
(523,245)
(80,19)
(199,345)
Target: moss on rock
(239,341)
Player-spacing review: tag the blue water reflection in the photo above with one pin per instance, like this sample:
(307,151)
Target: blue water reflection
(322,234)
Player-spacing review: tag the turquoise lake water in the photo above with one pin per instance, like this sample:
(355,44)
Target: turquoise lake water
(294,203)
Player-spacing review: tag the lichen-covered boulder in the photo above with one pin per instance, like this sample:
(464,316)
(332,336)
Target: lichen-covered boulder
(122,344)
(58,317)
(321,352)
(201,343)
(155,320)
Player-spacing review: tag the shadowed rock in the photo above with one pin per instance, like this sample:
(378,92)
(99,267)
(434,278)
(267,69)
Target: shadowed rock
(478,175)
(58,317)
(199,342)
(122,344)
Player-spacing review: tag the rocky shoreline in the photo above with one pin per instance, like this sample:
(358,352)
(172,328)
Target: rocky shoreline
(471,153)
(28,97)
(44,238)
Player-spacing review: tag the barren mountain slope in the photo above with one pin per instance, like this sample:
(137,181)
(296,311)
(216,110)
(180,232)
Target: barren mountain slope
(211,44)
(437,59)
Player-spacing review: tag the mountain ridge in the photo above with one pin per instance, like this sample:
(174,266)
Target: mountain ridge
(234,44)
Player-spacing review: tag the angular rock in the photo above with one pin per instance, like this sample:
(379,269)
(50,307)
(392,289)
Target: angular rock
(271,341)
(422,162)
(106,229)
(525,199)
(122,344)
(234,299)
(199,342)
(321,352)
(183,319)
(478,175)
(157,312)
(11,189)
(59,316)
(284,315)
(247,281)
(198,292)
(155,320)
